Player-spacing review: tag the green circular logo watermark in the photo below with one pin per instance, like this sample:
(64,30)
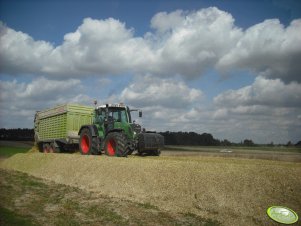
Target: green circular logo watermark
(282,214)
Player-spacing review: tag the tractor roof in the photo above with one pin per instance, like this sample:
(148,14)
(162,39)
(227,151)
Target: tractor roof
(121,105)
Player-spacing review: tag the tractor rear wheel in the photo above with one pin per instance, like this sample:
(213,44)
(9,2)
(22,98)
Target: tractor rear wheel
(87,143)
(116,144)
(130,151)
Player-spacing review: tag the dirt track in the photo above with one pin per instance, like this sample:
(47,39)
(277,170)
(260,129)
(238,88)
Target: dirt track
(233,191)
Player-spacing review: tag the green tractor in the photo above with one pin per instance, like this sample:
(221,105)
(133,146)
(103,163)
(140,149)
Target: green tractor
(114,133)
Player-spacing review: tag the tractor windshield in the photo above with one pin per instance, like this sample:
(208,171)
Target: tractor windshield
(115,113)
(119,114)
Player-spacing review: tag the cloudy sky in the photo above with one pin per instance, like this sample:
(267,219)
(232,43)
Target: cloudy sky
(229,68)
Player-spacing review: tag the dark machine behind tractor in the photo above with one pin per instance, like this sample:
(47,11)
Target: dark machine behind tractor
(105,129)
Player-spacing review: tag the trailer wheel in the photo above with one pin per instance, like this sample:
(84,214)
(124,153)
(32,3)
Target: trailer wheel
(156,152)
(46,148)
(51,148)
(40,146)
(54,149)
(87,143)
(115,144)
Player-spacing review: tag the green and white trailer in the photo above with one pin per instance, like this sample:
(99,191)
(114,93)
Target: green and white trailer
(58,127)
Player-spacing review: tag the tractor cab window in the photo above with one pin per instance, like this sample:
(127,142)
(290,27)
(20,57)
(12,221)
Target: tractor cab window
(123,116)
(118,114)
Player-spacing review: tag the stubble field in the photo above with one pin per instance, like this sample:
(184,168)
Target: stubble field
(210,190)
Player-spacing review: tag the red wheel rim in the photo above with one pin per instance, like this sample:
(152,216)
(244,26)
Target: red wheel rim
(111,147)
(50,150)
(46,149)
(85,144)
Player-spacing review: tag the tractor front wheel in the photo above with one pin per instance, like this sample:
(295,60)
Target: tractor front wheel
(115,144)
(87,143)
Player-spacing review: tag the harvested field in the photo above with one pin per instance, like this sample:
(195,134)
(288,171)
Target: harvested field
(227,153)
(291,154)
(232,191)
(27,200)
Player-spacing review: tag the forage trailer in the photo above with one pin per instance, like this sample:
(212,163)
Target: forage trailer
(105,129)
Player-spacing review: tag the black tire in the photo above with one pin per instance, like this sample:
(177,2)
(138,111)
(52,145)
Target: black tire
(51,148)
(156,152)
(130,151)
(131,148)
(116,144)
(54,148)
(87,144)
(40,146)
(45,148)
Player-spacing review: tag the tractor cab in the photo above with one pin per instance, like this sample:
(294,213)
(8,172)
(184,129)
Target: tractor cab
(115,117)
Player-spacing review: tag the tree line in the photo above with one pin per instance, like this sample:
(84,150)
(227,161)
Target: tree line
(189,138)
(171,138)
(17,134)
(206,139)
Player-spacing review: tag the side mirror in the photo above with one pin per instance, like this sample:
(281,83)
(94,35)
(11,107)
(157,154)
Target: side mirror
(140,114)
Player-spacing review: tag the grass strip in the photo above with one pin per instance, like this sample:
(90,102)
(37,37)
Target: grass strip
(10,218)
(10,151)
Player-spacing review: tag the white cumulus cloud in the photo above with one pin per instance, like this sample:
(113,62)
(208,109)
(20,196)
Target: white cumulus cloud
(195,41)
(185,43)
(266,109)
(99,47)
(266,92)
(152,91)
(20,53)
(267,48)
(20,100)
(164,21)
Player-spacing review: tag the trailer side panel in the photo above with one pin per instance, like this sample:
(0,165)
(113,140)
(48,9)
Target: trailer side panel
(62,122)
